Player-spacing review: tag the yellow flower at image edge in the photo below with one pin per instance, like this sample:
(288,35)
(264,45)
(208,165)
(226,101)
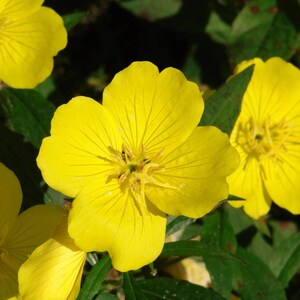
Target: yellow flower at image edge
(30,35)
(20,235)
(134,159)
(267,136)
(54,269)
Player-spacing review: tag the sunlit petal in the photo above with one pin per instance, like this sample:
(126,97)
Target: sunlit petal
(158,110)
(282,180)
(247,183)
(81,133)
(27,47)
(104,219)
(195,174)
(18,8)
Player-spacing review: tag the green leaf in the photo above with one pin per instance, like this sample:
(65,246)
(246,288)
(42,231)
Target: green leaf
(93,282)
(20,157)
(105,296)
(281,231)
(196,248)
(286,259)
(261,248)
(223,107)
(46,87)
(52,196)
(71,20)
(238,219)
(255,280)
(29,113)
(217,232)
(152,9)
(131,290)
(217,29)
(177,223)
(262,30)
(167,288)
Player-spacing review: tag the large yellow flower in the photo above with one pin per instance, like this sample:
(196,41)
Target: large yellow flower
(134,159)
(267,136)
(20,235)
(54,269)
(30,35)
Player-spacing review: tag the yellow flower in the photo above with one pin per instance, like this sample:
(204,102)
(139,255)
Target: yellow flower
(54,269)
(19,235)
(30,35)
(267,136)
(134,159)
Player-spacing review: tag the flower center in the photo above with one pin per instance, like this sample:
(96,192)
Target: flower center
(135,171)
(267,140)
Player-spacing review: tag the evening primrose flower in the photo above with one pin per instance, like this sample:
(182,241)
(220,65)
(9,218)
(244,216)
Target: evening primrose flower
(19,235)
(267,136)
(134,159)
(54,269)
(30,35)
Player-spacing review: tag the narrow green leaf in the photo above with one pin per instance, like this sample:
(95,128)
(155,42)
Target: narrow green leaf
(152,9)
(217,232)
(71,20)
(178,223)
(286,259)
(130,288)
(168,288)
(223,107)
(29,113)
(93,282)
(255,280)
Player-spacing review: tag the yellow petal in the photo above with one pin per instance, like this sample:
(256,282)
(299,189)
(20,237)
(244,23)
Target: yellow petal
(30,229)
(196,173)
(8,280)
(103,218)
(28,45)
(81,133)
(246,182)
(158,110)
(273,91)
(18,8)
(282,180)
(11,199)
(54,269)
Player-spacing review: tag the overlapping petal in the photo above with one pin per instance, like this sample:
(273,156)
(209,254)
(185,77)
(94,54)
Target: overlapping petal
(247,182)
(81,133)
(29,230)
(28,45)
(104,219)
(158,110)
(196,173)
(11,199)
(54,269)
